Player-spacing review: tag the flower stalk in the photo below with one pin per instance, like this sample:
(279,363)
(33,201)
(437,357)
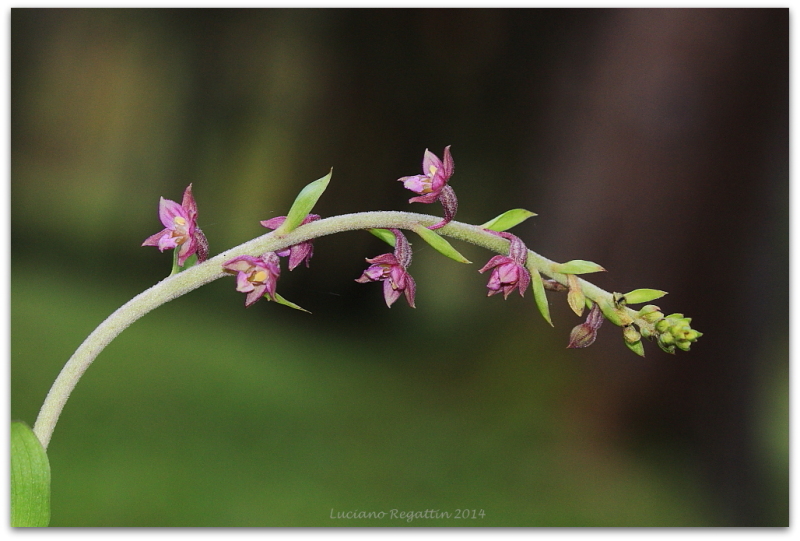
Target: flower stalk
(256,265)
(212,269)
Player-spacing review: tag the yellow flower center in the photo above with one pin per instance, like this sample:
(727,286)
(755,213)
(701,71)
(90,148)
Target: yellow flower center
(179,220)
(258,276)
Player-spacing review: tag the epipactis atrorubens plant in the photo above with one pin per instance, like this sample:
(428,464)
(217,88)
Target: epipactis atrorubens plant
(256,266)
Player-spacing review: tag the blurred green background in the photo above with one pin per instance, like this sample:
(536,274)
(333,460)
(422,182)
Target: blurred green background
(654,142)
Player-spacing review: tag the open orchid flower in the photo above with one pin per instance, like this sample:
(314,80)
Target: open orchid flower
(180,223)
(391,270)
(255,276)
(509,272)
(432,185)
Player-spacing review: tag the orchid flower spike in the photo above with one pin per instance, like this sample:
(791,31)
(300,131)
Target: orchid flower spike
(432,185)
(180,223)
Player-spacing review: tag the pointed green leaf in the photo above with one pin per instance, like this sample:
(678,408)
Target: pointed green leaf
(636,347)
(30,478)
(578,266)
(439,244)
(290,304)
(385,235)
(539,295)
(638,296)
(575,297)
(303,204)
(508,219)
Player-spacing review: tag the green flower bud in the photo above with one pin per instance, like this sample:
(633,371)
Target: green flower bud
(666,339)
(679,330)
(692,335)
(650,313)
(663,325)
(683,344)
(631,335)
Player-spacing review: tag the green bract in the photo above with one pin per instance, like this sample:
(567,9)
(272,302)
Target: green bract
(638,296)
(636,347)
(508,219)
(438,243)
(385,235)
(578,266)
(539,294)
(303,204)
(30,478)
(290,304)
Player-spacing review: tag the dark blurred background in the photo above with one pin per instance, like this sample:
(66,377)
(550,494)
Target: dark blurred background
(654,142)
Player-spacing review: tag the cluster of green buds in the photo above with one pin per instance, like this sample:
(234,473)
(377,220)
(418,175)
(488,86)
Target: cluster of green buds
(669,331)
(676,331)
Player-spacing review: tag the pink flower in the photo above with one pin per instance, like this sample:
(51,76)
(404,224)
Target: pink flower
(432,184)
(180,222)
(509,272)
(391,270)
(299,252)
(255,276)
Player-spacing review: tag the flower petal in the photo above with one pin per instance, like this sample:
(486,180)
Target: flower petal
(153,239)
(448,168)
(189,204)
(430,160)
(274,223)
(168,210)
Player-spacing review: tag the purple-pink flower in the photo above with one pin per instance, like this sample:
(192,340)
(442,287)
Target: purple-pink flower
(255,276)
(509,272)
(432,184)
(299,252)
(391,270)
(180,223)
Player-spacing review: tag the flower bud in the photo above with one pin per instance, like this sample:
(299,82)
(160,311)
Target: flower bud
(631,335)
(585,334)
(582,336)
(680,330)
(663,325)
(650,313)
